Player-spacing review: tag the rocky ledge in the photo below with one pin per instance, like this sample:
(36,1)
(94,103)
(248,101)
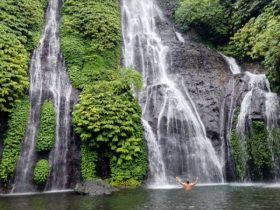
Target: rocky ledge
(92,188)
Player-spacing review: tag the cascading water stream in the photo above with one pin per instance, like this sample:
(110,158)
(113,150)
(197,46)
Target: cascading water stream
(172,124)
(48,80)
(257,84)
(225,126)
(234,67)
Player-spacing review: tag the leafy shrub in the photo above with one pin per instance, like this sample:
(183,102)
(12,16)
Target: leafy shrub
(20,26)
(129,173)
(41,171)
(249,30)
(207,17)
(259,40)
(243,10)
(13,138)
(46,134)
(238,156)
(108,113)
(13,74)
(91,36)
(237,149)
(260,156)
(24,19)
(88,162)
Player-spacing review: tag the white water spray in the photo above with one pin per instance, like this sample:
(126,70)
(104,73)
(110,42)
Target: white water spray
(48,80)
(178,131)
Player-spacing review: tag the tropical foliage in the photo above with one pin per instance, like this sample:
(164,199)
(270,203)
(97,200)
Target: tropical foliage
(13,138)
(20,25)
(91,36)
(260,155)
(259,40)
(107,113)
(207,17)
(253,154)
(238,149)
(107,116)
(41,171)
(13,69)
(46,132)
(247,30)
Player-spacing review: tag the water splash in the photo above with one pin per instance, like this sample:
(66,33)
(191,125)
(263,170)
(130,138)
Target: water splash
(234,67)
(177,127)
(180,37)
(48,80)
(255,82)
(156,164)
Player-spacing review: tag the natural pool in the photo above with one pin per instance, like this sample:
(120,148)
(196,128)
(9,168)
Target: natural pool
(202,197)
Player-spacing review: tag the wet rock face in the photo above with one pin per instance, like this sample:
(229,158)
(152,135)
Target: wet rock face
(203,72)
(205,75)
(168,7)
(94,188)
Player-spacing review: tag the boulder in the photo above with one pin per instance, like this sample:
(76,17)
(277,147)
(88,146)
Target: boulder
(93,188)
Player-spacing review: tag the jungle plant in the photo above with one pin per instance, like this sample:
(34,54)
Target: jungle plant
(46,133)
(41,171)
(13,138)
(107,113)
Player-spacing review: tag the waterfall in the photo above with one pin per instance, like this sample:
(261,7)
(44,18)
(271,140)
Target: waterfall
(180,37)
(227,113)
(48,80)
(257,82)
(233,66)
(174,130)
(258,94)
(156,167)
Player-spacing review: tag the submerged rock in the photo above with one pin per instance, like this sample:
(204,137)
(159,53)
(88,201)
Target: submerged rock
(96,187)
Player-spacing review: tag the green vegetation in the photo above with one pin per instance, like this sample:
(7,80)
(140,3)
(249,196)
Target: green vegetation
(107,116)
(237,149)
(129,173)
(41,171)
(207,17)
(107,113)
(91,38)
(247,30)
(13,66)
(274,142)
(259,40)
(238,155)
(13,138)
(255,152)
(24,19)
(260,156)
(20,26)
(45,136)
(88,162)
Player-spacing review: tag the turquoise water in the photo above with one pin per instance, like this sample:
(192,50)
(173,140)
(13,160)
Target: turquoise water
(202,197)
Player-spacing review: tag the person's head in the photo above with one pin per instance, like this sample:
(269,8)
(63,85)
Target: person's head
(187,181)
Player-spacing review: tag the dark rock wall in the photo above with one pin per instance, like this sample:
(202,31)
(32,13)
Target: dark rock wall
(168,7)
(203,72)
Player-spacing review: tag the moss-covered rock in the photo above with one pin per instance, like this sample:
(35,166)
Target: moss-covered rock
(260,155)
(46,133)
(41,171)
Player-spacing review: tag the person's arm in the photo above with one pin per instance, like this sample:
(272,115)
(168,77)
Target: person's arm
(195,181)
(179,181)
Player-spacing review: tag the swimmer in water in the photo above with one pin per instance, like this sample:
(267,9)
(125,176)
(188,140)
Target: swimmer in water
(187,185)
